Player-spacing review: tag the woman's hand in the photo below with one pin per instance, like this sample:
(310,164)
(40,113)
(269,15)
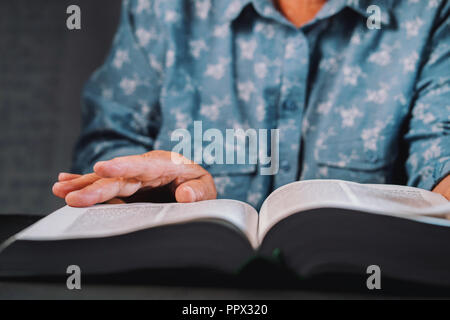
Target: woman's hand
(185,180)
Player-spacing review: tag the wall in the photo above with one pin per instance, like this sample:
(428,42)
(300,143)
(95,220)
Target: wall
(43,66)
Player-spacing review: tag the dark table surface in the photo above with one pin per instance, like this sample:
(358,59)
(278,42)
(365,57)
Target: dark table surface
(51,289)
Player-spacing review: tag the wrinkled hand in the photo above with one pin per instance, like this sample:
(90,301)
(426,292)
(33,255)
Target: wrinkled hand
(125,176)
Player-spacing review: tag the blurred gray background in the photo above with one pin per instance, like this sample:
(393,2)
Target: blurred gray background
(43,67)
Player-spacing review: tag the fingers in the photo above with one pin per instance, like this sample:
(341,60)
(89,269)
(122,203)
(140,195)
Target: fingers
(61,189)
(199,189)
(127,167)
(63,176)
(158,168)
(124,176)
(102,190)
(153,165)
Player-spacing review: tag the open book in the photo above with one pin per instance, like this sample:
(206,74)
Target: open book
(318,226)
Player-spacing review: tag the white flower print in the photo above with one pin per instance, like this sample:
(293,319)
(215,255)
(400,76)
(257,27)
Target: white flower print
(409,63)
(291,51)
(170,58)
(142,5)
(217,71)
(107,93)
(145,36)
(433,4)
(352,74)
(197,46)
(247,48)
(254,197)
(202,8)
(233,8)
(330,64)
(383,56)
(325,107)
(260,69)
(321,141)
(260,110)
(155,64)
(246,89)
(323,172)
(286,128)
(356,38)
(171,16)
(433,151)
(420,113)
(413,26)
(372,135)
(268,30)
(222,183)
(349,116)
(128,86)
(400,98)
(413,161)
(345,159)
(182,118)
(378,96)
(212,111)
(120,58)
(221,31)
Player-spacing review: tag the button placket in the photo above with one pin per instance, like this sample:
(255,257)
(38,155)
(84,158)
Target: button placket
(292,99)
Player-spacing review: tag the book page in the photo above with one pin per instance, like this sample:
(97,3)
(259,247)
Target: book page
(393,198)
(373,198)
(110,220)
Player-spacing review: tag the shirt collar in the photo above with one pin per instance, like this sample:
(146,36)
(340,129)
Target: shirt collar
(229,10)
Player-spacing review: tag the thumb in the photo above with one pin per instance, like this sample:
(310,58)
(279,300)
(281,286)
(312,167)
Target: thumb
(194,190)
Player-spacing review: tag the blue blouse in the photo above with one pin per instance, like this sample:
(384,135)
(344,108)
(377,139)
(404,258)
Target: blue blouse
(350,102)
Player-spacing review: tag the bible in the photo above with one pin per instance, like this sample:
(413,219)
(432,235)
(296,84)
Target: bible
(318,226)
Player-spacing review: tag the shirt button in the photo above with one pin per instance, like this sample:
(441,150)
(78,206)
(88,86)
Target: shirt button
(290,105)
(285,166)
